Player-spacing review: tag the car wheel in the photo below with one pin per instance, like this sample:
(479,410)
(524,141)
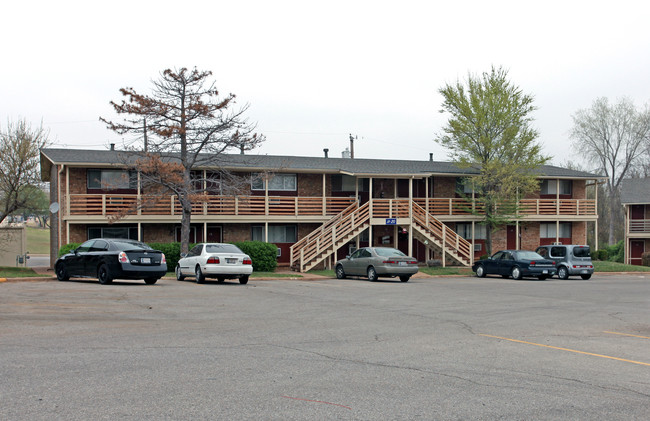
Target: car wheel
(198,275)
(340,272)
(372,274)
(563,272)
(516,273)
(404,278)
(104,275)
(243,279)
(150,281)
(221,279)
(179,274)
(62,273)
(480,271)
(585,277)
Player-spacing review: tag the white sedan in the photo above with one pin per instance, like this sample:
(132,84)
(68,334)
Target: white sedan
(215,260)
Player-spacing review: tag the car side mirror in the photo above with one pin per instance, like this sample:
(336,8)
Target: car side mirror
(76,251)
(183,255)
(347,257)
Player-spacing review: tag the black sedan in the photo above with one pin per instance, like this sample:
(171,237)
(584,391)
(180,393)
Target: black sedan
(107,259)
(515,263)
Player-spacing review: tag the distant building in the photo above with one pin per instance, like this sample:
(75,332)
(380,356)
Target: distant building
(635,197)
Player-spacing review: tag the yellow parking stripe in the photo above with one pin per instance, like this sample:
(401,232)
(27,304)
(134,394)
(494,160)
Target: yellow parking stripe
(627,334)
(567,349)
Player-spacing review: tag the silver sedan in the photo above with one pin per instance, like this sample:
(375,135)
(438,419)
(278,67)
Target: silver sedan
(375,262)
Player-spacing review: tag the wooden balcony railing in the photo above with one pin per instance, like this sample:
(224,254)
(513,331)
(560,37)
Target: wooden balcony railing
(639,226)
(110,204)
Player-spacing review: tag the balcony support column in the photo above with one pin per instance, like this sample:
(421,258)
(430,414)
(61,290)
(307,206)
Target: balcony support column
(410,247)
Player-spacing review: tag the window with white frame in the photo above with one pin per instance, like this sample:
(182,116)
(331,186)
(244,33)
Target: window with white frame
(465,231)
(278,182)
(549,230)
(102,179)
(550,187)
(277,233)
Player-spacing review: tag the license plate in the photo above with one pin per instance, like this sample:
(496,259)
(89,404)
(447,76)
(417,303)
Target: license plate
(145,260)
(584,271)
(402,263)
(231,261)
(545,271)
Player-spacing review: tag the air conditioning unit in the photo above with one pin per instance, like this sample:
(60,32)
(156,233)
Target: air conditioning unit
(557,243)
(478,247)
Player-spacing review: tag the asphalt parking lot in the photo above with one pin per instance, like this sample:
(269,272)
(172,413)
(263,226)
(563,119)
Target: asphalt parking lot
(432,348)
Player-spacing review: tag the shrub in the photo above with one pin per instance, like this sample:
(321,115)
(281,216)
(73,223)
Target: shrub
(616,252)
(645,259)
(484,257)
(264,255)
(68,248)
(172,253)
(601,255)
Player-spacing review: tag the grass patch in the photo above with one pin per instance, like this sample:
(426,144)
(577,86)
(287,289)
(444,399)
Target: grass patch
(325,272)
(11,272)
(38,240)
(449,270)
(606,266)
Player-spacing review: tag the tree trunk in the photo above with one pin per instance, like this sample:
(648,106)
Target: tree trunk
(612,214)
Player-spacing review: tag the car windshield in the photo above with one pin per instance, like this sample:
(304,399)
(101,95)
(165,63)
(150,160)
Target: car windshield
(222,248)
(131,245)
(387,252)
(581,252)
(528,255)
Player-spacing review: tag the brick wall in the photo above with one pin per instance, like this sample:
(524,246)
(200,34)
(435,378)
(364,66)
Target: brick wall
(236,232)
(78,233)
(579,189)
(158,233)
(579,232)
(444,187)
(310,185)
(77,181)
(383,186)
(529,235)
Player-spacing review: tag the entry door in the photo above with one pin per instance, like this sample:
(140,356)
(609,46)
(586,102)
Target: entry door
(214,234)
(512,237)
(637,247)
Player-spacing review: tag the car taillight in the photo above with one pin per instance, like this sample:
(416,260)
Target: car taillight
(389,261)
(247,261)
(413,262)
(164,260)
(122,257)
(532,263)
(213,260)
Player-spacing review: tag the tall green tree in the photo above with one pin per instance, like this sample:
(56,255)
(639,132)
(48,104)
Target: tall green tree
(20,173)
(186,124)
(489,131)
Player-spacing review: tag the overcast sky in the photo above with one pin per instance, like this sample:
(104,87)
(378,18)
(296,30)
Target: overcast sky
(315,71)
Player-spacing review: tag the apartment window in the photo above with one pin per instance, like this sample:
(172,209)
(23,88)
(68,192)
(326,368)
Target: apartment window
(277,233)
(348,183)
(464,186)
(113,232)
(550,187)
(465,231)
(549,230)
(101,179)
(279,182)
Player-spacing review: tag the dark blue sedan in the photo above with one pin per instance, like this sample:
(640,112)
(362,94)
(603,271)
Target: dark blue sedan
(515,263)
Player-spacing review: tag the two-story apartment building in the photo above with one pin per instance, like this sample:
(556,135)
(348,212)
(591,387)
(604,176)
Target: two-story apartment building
(635,197)
(317,209)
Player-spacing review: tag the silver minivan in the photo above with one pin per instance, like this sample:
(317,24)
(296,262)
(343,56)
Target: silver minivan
(570,259)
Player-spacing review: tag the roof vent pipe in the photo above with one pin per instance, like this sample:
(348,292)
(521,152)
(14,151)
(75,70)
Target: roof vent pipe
(326,151)
(112,146)
(430,156)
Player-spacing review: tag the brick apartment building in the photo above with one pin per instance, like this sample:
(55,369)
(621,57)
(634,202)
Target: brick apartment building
(317,209)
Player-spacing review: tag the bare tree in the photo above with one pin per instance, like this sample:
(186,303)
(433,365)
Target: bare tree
(611,137)
(19,165)
(186,124)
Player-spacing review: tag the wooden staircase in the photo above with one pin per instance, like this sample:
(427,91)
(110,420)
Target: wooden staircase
(324,241)
(344,227)
(430,231)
